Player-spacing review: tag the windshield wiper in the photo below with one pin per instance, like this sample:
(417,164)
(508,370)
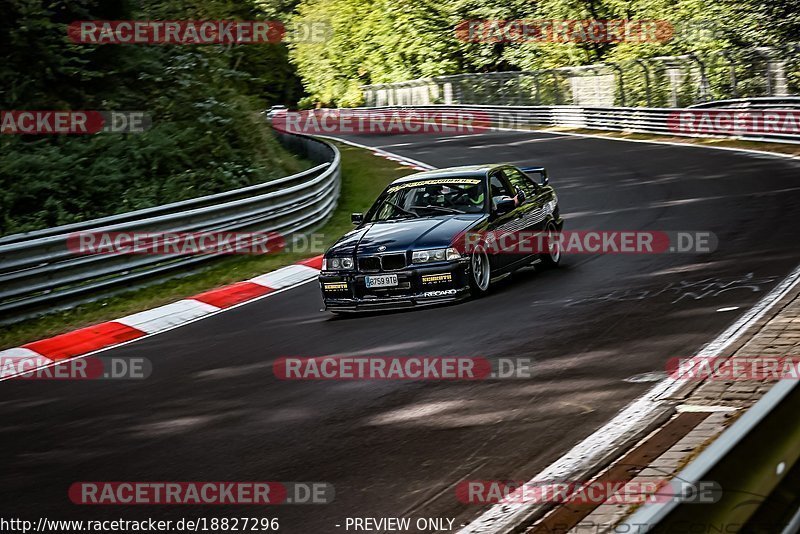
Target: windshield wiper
(395,206)
(440,208)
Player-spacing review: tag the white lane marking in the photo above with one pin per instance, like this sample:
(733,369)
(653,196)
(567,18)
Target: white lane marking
(553,137)
(164,317)
(285,276)
(502,517)
(728,308)
(652,376)
(20,359)
(118,345)
(462,136)
(699,408)
(379,151)
(450,138)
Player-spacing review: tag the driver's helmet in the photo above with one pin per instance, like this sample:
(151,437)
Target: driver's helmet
(435,194)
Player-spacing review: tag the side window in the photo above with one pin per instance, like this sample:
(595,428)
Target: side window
(519,179)
(499,187)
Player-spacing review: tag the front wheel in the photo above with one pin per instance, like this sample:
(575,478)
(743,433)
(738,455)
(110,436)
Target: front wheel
(552,256)
(480,272)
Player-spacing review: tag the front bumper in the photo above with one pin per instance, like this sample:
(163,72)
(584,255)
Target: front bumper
(418,285)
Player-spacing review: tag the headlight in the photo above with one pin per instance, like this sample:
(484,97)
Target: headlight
(436,254)
(337,264)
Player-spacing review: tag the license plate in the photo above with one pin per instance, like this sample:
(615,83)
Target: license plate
(386,280)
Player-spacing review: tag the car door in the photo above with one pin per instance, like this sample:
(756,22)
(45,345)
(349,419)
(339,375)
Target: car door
(505,251)
(532,206)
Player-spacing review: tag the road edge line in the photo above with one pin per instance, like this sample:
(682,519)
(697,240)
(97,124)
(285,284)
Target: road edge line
(630,422)
(37,356)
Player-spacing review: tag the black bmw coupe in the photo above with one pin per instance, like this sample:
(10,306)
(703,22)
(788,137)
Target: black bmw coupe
(431,237)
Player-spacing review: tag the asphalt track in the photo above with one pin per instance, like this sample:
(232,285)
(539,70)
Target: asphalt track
(212,409)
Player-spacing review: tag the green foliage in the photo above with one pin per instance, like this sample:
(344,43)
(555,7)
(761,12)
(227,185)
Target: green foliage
(385,41)
(206,133)
(204,101)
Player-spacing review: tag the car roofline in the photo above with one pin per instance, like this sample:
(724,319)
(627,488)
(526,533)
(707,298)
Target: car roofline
(469,171)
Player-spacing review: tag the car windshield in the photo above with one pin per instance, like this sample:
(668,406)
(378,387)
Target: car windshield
(427,198)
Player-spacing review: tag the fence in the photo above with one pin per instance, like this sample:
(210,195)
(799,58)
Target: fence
(664,81)
(38,273)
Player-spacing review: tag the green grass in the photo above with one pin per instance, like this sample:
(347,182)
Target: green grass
(364,176)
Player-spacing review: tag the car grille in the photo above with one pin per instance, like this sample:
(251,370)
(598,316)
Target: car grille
(393,262)
(369,264)
(387,262)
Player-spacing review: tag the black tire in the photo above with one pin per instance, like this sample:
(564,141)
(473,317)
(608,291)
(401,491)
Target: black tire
(480,272)
(552,257)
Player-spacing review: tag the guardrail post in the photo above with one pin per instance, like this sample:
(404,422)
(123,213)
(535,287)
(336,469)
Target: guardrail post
(726,55)
(769,60)
(646,80)
(621,84)
(703,93)
(556,88)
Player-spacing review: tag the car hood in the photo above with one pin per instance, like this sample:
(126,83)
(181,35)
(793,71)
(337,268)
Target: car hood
(405,234)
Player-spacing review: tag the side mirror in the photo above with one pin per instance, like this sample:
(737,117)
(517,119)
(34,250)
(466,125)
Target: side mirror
(357,218)
(545,180)
(541,172)
(504,205)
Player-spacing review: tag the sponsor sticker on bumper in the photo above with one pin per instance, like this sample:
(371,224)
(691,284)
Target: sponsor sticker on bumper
(443,293)
(335,286)
(437,278)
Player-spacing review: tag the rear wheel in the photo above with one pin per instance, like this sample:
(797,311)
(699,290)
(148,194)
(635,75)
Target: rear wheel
(480,272)
(552,256)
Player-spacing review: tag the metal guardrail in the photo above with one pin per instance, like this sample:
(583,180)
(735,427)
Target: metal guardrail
(762,441)
(633,120)
(764,102)
(38,273)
